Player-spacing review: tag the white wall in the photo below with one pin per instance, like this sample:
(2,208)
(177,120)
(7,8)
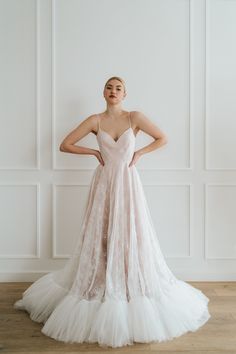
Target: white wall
(177,58)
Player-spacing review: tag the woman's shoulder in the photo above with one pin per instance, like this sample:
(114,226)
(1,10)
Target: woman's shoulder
(137,116)
(91,122)
(135,113)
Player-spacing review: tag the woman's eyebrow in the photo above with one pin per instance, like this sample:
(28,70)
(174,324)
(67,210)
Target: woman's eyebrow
(116,85)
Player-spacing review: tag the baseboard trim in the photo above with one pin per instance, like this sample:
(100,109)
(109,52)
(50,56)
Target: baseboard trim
(21,276)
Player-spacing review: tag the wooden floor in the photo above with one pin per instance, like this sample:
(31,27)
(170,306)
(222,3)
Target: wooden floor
(18,334)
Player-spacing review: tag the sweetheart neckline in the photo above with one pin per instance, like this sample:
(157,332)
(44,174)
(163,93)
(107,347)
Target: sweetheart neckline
(115,141)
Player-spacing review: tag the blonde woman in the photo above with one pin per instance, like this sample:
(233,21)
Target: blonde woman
(116,289)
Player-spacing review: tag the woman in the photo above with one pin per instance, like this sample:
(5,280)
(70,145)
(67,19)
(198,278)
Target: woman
(116,289)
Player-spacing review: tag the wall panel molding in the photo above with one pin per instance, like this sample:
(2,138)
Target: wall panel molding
(208,4)
(37,253)
(190,99)
(37,95)
(206,232)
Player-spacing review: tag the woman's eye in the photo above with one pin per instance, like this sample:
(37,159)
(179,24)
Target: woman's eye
(109,88)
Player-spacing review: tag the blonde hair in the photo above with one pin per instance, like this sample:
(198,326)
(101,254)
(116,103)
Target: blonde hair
(116,78)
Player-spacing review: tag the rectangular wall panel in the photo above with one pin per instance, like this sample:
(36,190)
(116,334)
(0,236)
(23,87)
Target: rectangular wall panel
(19,221)
(220,224)
(18,85)
(220,84)
(163,46)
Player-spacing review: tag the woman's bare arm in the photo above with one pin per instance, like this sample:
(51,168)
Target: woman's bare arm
(84,128)
(146,125)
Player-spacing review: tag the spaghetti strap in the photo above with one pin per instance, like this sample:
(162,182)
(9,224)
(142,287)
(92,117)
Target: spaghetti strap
(98,121)
(130,119)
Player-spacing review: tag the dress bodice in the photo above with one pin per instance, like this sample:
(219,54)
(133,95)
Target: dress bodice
(118,151)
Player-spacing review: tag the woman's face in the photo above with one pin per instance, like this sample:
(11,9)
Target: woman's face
(114,91)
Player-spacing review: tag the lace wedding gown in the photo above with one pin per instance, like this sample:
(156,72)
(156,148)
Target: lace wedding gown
(116,289)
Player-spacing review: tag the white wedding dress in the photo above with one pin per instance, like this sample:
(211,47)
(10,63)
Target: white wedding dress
(116,289)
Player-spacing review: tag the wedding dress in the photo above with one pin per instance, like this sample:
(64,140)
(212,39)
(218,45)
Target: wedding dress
(116,288)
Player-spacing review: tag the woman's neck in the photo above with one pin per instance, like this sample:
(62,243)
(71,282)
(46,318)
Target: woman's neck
(114,111)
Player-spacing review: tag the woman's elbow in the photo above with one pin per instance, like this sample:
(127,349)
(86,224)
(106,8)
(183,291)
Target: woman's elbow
(164,139)
(62,147)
